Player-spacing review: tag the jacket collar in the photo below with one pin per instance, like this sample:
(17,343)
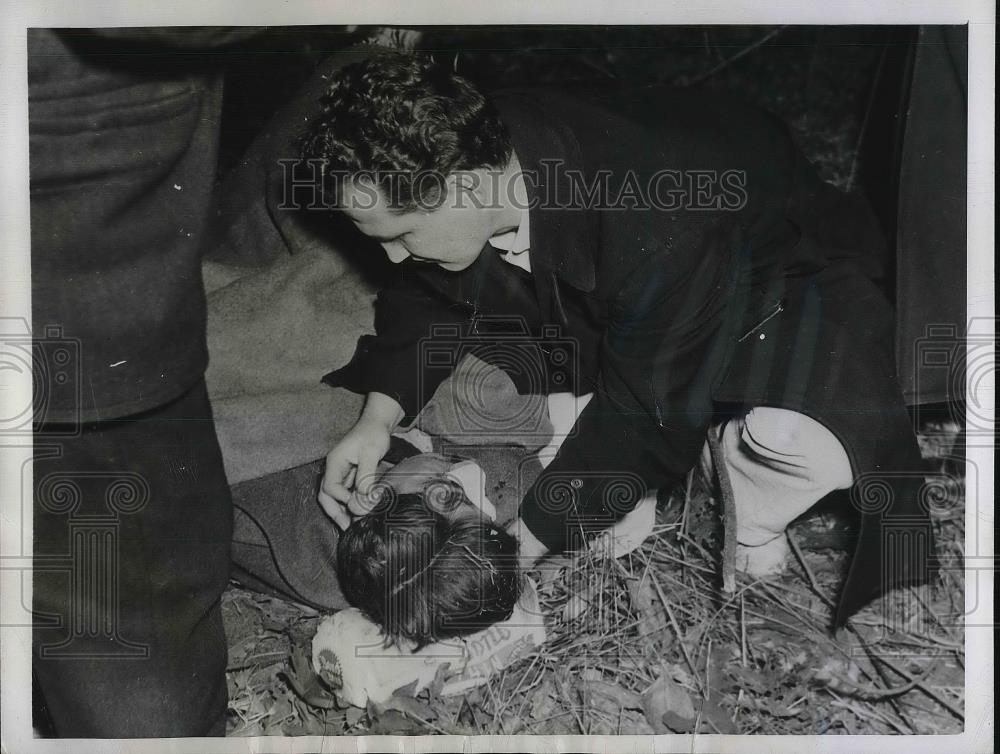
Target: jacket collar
(562,232)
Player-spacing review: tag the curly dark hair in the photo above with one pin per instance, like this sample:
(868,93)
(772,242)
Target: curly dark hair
(398,116)
(425,576)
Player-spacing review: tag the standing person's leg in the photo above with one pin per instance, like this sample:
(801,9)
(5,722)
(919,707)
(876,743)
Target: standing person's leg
(780,464)
(133,522)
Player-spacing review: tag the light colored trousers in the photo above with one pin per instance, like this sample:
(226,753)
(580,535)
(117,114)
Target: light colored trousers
(780,463)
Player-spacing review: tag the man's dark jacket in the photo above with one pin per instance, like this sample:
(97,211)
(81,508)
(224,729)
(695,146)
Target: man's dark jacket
(710,270)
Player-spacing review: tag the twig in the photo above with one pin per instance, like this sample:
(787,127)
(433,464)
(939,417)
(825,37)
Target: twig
(428,723)
(729,61)
(872,657)
(524,695)
(572,707)
(805,567)
(497,710)
(743,632)
(252,661)
(704,553)
(867,714)
(797,611)
(920,598)
(687,501)
(708,663)
(918,683)
(846,686)
(728,509)
(673,622)
(684,563)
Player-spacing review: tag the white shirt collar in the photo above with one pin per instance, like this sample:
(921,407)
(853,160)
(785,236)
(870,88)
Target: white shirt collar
(515,243)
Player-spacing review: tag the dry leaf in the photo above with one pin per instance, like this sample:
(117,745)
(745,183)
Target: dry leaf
(668,707)
(395,723)
(353,716)
(410,706)
(304,682)
(609,699)
(409,689)
(642,596)
(550,569)
(712,711)
(574,608)
(620,698)
(541,700)
(466,715)
(435,686)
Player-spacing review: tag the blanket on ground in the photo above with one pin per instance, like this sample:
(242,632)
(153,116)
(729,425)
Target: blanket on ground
(286,300)
(272,333)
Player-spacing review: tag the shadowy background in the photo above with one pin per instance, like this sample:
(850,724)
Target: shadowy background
(817,78)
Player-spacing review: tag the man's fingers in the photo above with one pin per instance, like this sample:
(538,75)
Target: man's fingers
(358,505)
(338,477)
(334,490)
(338,469)
(335,510)
(368,460)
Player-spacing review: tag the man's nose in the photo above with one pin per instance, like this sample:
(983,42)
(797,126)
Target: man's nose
(396,252)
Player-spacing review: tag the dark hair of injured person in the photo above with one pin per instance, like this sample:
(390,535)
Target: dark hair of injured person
(424,575)
(404,122)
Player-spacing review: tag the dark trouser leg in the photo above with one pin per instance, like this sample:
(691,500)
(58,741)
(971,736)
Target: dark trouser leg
(132,542)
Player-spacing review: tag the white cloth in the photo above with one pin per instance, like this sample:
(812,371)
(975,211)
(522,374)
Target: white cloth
(515,244)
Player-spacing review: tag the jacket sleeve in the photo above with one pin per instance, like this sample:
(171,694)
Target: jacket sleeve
(646,424)
(414,349)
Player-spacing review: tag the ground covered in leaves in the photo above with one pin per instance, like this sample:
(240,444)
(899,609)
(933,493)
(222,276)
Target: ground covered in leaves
(647,644)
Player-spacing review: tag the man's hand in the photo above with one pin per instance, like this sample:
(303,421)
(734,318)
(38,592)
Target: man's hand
(353,461)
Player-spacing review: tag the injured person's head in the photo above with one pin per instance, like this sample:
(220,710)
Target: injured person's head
(429,563)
